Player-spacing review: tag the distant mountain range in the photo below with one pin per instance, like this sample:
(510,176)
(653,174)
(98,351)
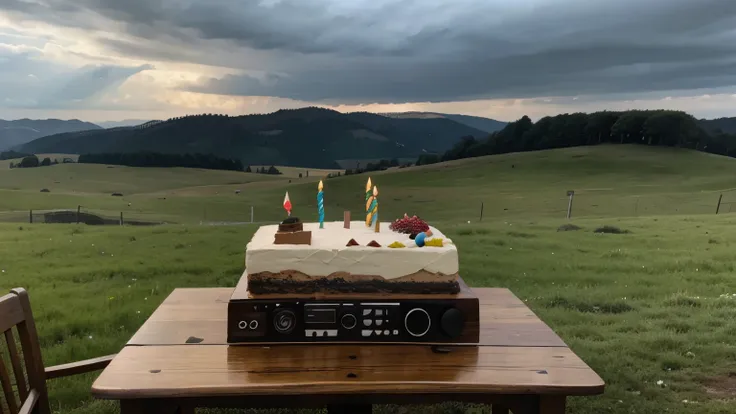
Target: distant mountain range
(477,122)
(308,137)
(123,123)
(21,131)
(725,125)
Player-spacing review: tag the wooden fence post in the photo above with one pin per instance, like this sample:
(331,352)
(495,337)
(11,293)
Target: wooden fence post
(481,211)
(718,207)
(78,209)
(636,206)
(121,218)
(251,214)
(570,194)
(30,216)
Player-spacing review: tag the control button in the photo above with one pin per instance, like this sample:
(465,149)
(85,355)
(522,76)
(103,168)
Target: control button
(396,331)
(367,312)
(253,324)
(331,332)
(242,324)
(348,321)
(452,322)
(417,322)
(367,322)
(387,332)
(379,312)
(366,332)
(378,332)
(314,333)
(379,322)
(284,320)
(324,333)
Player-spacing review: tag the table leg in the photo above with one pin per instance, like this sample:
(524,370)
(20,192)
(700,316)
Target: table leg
(551,404)
(350,409)
(499,409)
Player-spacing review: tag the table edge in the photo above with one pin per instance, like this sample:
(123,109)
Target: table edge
(377,388)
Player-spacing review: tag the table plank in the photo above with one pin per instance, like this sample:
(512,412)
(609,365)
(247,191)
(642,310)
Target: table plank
(221,370)
(202,314)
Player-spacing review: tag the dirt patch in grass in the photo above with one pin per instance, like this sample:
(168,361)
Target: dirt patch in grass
(569,227)
(519,234)
(723,386)
(610,230)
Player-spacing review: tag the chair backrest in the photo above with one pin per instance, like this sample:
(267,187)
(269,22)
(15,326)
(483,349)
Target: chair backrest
(26,389)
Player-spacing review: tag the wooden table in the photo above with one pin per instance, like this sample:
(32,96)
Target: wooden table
(180,359)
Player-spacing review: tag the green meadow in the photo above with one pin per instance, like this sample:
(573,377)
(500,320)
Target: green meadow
(652,310)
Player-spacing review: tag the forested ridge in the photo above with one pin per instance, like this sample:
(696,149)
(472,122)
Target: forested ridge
(651,127)
(306,137)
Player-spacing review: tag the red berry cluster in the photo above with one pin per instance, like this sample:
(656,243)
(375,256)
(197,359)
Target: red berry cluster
(409,225)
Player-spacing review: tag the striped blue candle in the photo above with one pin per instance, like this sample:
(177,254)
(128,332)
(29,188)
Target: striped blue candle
(321,206)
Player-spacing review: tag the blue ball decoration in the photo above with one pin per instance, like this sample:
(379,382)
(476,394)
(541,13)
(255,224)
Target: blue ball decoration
(419,240)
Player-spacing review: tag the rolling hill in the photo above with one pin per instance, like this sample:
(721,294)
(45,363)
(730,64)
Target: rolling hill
(484,124)
(21,131)
(724,125)
(307,137)
(656,302)
(609,181)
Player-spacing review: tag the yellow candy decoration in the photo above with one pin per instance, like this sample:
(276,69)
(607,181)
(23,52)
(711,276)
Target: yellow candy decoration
(434,243)
(396,245)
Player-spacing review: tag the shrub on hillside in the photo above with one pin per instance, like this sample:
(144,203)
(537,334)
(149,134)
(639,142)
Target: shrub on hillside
(29,162)
(426,159)
(568,227)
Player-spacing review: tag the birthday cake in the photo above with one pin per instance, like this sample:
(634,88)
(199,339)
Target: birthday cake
(404,256)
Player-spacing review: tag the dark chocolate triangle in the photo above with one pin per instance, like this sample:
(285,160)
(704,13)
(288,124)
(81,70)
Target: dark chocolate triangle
(373,243)
(352,242)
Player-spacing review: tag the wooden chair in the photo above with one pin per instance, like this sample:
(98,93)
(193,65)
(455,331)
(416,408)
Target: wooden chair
(32,396)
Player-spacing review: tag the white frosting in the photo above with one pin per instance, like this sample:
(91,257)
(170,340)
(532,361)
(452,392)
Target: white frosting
(329,254)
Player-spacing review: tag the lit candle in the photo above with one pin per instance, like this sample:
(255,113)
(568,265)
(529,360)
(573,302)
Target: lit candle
(287,204)
(368,201)
(374,210)
(321,205)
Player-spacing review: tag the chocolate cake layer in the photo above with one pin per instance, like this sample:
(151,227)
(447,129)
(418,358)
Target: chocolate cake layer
(295,282)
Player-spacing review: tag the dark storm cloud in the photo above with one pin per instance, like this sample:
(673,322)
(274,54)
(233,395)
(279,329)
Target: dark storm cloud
(27,81)
(429,50)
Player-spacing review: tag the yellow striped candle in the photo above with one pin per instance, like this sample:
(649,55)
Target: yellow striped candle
(368,201)
(374,211)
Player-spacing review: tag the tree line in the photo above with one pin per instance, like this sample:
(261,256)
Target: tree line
(32,161)
(263,170)
(653,127)
(155,159)
(11,155)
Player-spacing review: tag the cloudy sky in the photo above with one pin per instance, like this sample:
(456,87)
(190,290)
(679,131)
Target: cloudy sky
(102,60)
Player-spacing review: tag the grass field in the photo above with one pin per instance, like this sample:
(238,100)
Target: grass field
(608,181)
(655,304)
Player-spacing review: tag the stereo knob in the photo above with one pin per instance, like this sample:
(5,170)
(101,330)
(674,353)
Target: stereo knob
(348,321)
(284,321)
(417,322)
(452,322)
